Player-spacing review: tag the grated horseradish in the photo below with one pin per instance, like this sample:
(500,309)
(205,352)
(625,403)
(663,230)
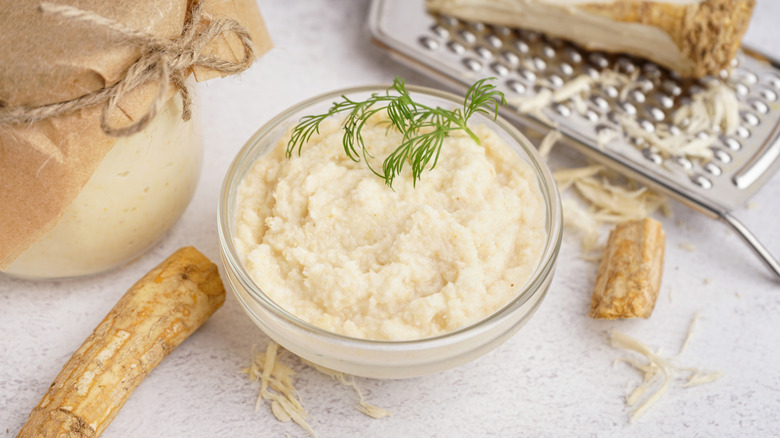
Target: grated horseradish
(656,368)
(712,111)
(276,387)
(328,241)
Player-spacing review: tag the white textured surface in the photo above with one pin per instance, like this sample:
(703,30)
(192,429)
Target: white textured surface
(555,378)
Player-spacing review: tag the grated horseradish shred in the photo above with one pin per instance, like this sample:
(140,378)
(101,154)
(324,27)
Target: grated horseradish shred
(657,368)
(688,246)
(548,142)
(276,387)
(605,198)
(710,112)
(349,380)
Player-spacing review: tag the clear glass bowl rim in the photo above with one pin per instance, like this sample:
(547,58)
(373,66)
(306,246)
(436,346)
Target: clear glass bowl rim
(233,263)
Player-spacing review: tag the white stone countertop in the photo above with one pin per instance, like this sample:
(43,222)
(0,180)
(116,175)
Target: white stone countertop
(557,377)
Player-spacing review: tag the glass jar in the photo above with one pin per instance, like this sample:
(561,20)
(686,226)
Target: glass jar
(135,195)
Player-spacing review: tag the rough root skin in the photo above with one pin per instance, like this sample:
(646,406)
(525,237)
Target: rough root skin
(155,315)
(708,33)
(629,277)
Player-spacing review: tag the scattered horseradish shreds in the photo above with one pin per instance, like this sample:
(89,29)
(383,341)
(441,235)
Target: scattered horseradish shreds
(349,380)
(608,199)
(697,124)
(658,369)
(276,387)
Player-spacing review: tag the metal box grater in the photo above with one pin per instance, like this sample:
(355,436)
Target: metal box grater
(524,62)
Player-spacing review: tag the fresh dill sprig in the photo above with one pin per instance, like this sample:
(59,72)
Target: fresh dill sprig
(424,128)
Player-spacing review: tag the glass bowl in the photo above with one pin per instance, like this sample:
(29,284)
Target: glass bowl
(373,358)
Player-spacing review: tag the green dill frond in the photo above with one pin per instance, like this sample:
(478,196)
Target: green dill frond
(423,128)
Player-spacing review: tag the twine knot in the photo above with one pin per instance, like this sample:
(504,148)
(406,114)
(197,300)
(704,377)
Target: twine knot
(162,60)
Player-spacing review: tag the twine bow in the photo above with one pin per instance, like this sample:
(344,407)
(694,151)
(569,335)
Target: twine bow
(162,60)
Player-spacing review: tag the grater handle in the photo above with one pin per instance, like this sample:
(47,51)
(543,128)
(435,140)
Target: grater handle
(748,237)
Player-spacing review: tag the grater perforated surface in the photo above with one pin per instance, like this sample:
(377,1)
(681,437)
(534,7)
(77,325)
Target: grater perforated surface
(525,63)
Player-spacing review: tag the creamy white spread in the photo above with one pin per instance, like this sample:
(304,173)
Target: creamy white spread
(328,241)
(136,193)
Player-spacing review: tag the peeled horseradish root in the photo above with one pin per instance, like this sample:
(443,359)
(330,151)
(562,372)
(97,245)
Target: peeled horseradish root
(155,315)
(629,277)
(694,38)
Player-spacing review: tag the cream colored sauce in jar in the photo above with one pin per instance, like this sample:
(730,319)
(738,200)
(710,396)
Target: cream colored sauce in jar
(135,195)
(329,242)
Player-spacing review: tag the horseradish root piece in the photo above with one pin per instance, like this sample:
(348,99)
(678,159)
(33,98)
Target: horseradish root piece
(148,322)
(695,38)
(630,273)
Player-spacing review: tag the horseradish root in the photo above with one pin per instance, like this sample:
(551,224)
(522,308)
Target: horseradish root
(630,273)
(695,38)
(149,321)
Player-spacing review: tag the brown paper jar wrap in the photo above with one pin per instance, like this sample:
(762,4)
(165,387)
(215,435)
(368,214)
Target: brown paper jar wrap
(48,59)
